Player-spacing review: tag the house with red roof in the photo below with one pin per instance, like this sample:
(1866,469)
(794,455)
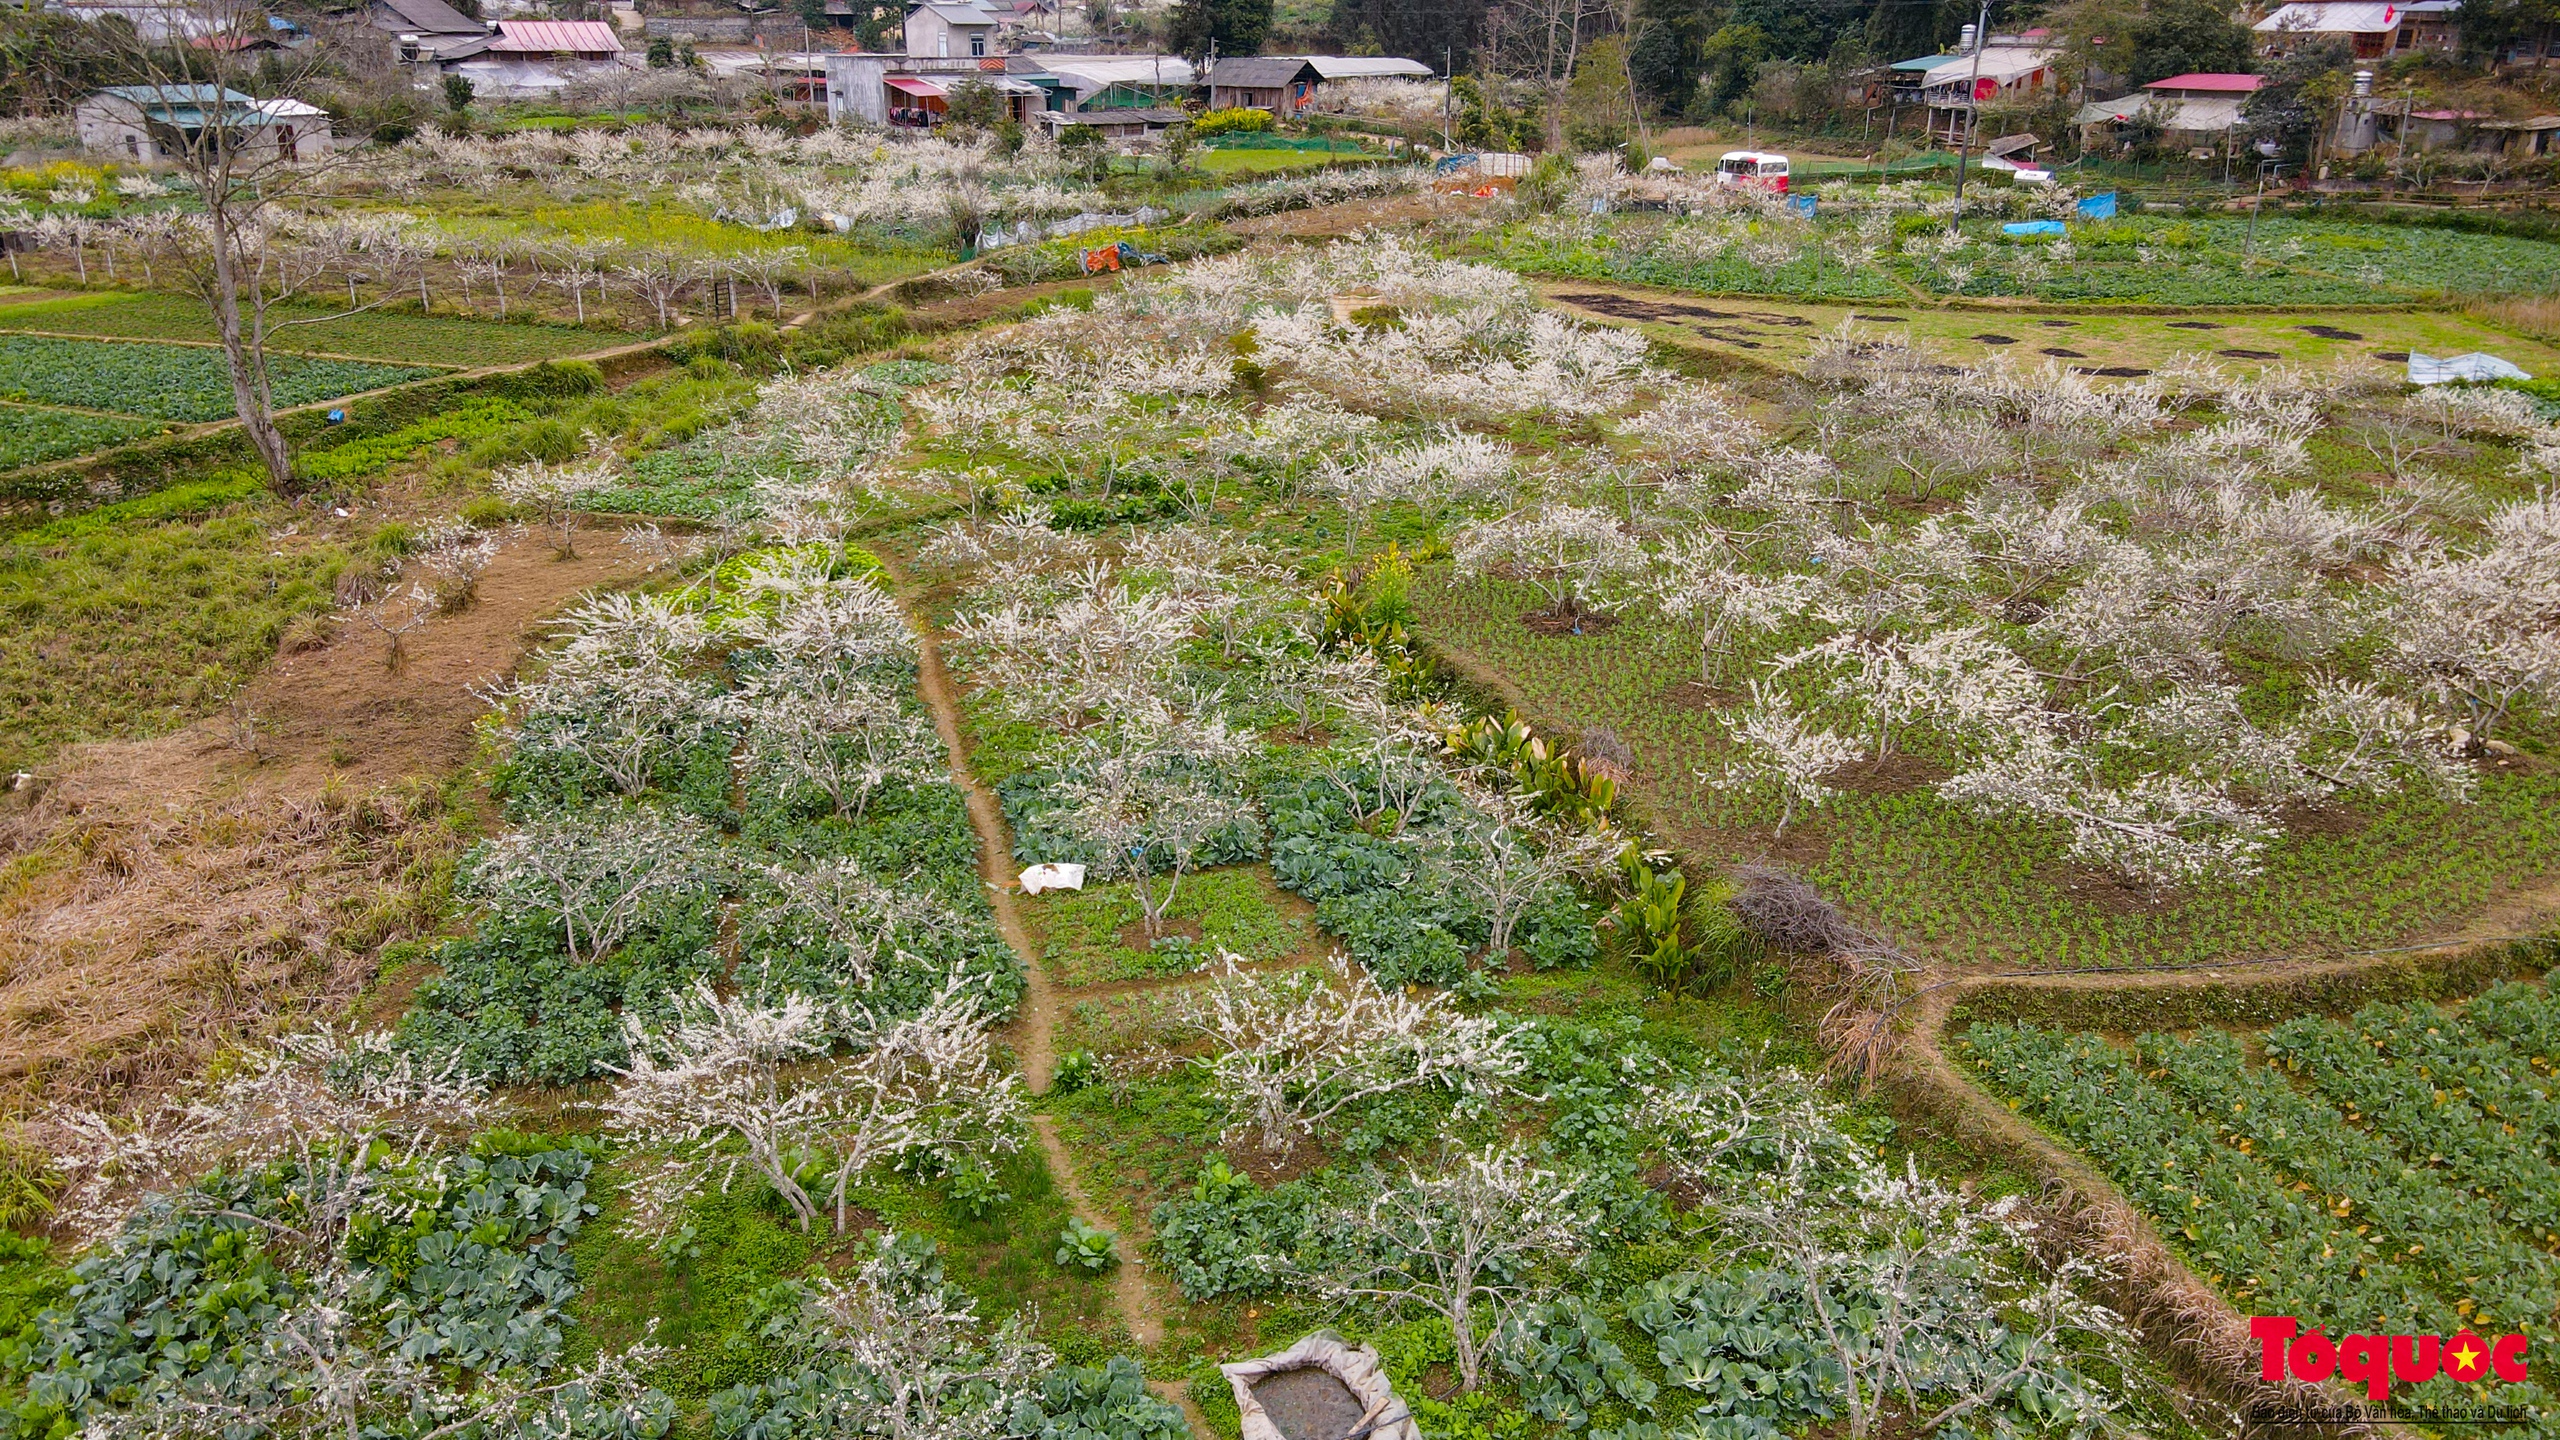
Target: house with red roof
(525,58)
(2196,111)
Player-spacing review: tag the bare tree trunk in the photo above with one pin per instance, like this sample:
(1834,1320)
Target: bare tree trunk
(243,358)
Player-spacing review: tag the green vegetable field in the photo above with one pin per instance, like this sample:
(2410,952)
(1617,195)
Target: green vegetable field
(389,336)
(29,436)
(2393,1171)
(168,382)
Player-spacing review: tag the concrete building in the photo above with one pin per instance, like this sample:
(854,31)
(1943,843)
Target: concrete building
(950,30)
(151,123)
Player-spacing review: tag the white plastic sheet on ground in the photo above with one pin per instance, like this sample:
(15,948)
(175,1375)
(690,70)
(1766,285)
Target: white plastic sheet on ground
(2472,367)
(1052,877)
(1358,1369)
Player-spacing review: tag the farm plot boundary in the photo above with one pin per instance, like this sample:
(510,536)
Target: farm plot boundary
(2186,1320)
(123,472)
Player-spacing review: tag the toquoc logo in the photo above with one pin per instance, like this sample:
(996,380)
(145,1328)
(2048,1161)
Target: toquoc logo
(2374,1361)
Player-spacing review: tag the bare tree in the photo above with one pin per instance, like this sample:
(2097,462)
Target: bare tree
(661,276)
(243,166)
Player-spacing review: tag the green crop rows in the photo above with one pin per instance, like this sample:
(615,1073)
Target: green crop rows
(29,436)
(168,382)
(2153,259)
(2393,1172)
(412,339)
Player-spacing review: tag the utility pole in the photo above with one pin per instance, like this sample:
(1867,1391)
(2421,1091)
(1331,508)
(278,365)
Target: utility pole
(1448,92)
(1972,113)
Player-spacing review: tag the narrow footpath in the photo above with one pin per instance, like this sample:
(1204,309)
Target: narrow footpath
(1138,1301)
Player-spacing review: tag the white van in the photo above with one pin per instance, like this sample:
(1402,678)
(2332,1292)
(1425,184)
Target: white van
(1758,168)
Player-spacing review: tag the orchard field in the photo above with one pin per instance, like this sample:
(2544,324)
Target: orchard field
(1522,781)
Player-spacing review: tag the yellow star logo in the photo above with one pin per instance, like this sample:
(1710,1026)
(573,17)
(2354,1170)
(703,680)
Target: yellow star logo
(2466,1359)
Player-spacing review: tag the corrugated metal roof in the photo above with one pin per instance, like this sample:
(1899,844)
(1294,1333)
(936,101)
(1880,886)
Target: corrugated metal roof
(1096,72)
(2201,114)
(1260,73)
(2210,82)
(923,89)
(434,17)
(1999,63)
(2329,17)
(1368,67)
(550,37)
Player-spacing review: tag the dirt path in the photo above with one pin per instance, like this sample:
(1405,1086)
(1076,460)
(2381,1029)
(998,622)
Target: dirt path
(1140,1303)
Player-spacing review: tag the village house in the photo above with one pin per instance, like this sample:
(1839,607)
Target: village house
(2196,112)
(151,123)
(2373,29)
(2009,67)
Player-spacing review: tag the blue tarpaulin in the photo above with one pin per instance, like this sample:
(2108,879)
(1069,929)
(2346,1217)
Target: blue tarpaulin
(1804,204)
(2032,227)
(2099,207)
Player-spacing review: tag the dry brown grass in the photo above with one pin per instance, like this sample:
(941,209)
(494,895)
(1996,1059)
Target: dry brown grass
(137,937)
(2534,315)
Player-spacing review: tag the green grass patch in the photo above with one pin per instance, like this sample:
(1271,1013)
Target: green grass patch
(29,436)
(168,382)
(1094,935)
(121,625)
(375,334)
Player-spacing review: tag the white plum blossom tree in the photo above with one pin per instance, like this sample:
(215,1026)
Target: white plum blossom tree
(339,1106)
(1569,552)
(597,873)
(1104,648)
(1148,795)
(1288,1052)
(1470,1240)
(551,494)
(1784,748)
(736,1084)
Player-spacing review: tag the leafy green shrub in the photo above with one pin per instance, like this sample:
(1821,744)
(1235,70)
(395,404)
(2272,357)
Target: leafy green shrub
(1228,1236)
(1075,1070)
(1234,119)
(1111,1403)
(1565,1365)
(1086,1247)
